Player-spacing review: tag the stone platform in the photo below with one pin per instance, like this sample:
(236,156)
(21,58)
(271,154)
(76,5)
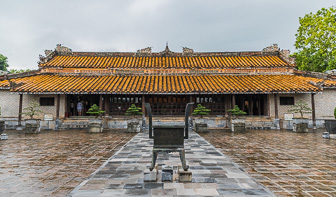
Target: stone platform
(213,174)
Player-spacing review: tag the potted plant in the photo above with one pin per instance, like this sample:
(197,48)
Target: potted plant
(2,124)
(331,126)
(200,110)
(133,125)
(237,125)
(32,125)
(300,125)
(95,125)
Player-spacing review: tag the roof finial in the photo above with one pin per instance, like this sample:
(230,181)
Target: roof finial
(167,48)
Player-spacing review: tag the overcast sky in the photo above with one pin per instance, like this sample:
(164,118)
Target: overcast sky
(28,27)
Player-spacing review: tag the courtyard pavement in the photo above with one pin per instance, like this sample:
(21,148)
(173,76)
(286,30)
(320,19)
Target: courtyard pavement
(52,163)
(289,164)
(213,174)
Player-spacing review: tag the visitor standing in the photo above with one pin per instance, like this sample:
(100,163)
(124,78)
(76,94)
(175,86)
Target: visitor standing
(79,108)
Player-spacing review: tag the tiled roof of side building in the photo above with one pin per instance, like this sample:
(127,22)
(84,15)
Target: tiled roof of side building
(158,84)
(202,61)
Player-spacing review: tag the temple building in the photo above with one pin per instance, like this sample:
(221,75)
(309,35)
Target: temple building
(262,83)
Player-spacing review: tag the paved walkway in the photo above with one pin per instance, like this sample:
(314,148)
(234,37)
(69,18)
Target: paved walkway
(213,173)
(287,163)
(53,163)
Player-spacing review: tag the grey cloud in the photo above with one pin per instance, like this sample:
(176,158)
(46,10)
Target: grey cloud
(29,27)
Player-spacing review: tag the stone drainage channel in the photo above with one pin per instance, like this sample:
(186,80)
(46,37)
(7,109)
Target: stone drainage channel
(213,174)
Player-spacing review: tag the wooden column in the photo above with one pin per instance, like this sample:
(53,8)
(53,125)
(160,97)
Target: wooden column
(58,106)
(276,106)
(250,103)
(20,110)
(226,104)
(259,105)
(233,101)
(106,104)
(100,101)
(143,105)
(313,110)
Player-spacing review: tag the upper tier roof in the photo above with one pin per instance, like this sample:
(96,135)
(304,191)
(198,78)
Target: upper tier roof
(80,61)
(63,57)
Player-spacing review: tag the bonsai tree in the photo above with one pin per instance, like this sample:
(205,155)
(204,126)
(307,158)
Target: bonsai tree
(201,110)
(133,111)
(32,109)
(300,107)
(95,110)
(236,111)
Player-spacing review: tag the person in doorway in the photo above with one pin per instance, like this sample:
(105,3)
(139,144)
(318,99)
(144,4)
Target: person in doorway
(87,106)
(72,108)
(80,108)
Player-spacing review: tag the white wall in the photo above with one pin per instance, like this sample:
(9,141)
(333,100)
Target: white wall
(10,104)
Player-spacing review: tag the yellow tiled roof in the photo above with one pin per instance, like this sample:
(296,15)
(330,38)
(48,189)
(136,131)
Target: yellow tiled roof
(165,62)
(158,84)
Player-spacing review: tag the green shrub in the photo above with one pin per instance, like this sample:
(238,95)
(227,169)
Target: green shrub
(133,111)
(95,110)
(300,107)
(335,113)
(32,109)
(236,111)
(201,110)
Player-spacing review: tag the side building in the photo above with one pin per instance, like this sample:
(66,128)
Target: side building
(264,84)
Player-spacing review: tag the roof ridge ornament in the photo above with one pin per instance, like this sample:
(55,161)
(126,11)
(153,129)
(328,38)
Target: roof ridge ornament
(144,52)
(272,48)
(166,52)
(62,49)
(187,51)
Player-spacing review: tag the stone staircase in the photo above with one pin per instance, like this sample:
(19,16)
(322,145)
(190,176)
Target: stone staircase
(259,123)
(76,122)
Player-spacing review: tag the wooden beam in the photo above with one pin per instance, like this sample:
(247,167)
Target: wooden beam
(313,110)
(58,106)
(20,110)
(276,106)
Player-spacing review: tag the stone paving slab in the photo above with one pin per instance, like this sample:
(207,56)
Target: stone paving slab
(213,174)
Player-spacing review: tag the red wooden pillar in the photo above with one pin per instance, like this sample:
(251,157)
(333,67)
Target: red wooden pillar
(20,110)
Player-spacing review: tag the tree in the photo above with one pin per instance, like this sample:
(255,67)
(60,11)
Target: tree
(236,111)
(133,110)
(201,110)
(300,107)
(15,71)
(316,41)
(32,109)
(3,63)
(95,110)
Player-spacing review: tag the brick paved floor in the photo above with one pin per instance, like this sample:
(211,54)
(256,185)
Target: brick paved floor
(52,163)
(213,174)
(290,164)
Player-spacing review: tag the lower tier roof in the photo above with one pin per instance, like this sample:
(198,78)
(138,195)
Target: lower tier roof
(156,84)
